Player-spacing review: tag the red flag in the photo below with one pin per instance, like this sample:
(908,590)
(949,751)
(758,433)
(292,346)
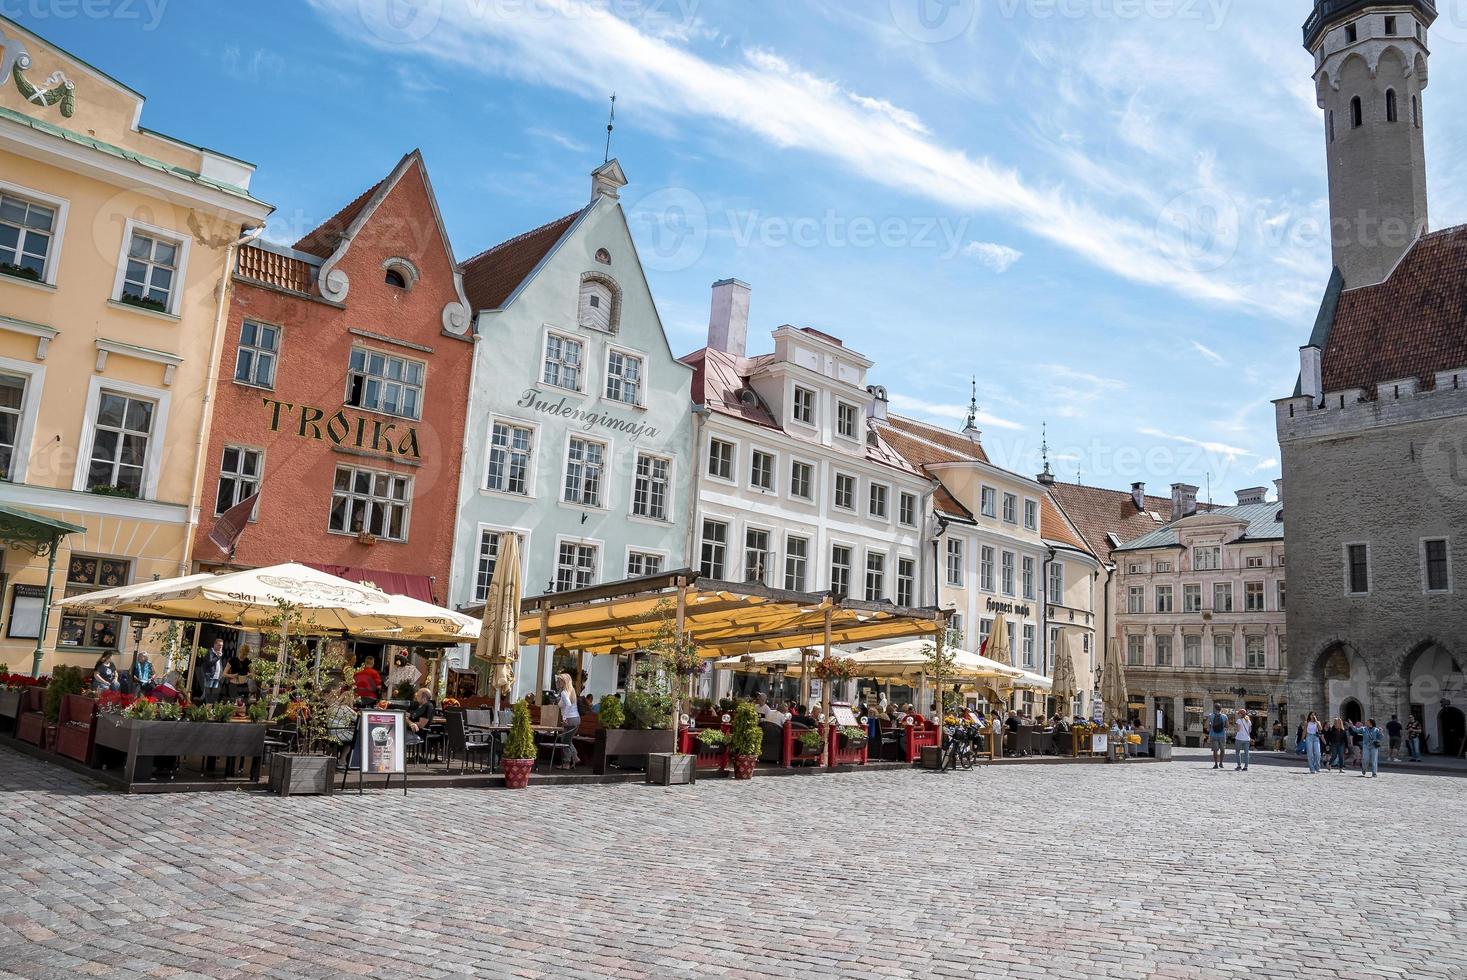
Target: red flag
(231,524)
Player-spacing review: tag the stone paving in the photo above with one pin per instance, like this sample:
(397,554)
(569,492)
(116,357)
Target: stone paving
(1155,870)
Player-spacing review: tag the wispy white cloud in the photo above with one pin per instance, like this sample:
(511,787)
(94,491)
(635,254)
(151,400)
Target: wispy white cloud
(1210,354)
(997,257)
(954,413)
(559,139)
(1219,448)
(1271,463)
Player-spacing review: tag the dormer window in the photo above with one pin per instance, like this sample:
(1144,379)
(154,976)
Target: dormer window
(599,304)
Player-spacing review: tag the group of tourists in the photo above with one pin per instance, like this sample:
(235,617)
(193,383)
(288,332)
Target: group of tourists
(1353,741)
(217,676)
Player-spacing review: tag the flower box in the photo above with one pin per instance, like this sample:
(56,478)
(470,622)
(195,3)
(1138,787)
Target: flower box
(671,769)
(136,740)
(629,747)
(10,702)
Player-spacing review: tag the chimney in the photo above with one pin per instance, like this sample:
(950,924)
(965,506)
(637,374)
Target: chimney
(1278,489)
(728,323)
(1252,495)
(1138,495)
(880,402)
(607,180)
(1184,500)
(1311,375)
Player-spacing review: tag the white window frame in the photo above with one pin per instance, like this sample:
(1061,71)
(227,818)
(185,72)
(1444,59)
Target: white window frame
(1135,600)
(58,228)
(1160,641)
(259,477)
(1028,648)
(544,358)
(733,461)
(634,551)
(524,536)
(531,473)
(158,436)
(1031,514)
(1186,637)
(1008,566)
(884,560)
(835,489)
(1135,649)
(1027,575)
(1425,577)
(25,432)
(771,553)
(383,379)
(987,568)
(1192,589)
(954,550)
(840,408)
(910,577)
(1232,649)
(1056,583)
(1211,549)
(1169,594)
(642,384)
(851,552)
(902,497)
(668,494)
(180,270)
(810,497)
(805,567)
(988,501)
(727,524)
(1369,567)
(1248,641)
(814,419)
(566,539)
(407,504)
(872,489)
(1249,591)
(1223,589)
(603,486)
(1011,508)
(773,487)
(274,354)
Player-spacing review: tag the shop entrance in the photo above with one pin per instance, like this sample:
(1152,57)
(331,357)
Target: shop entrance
(1451,729)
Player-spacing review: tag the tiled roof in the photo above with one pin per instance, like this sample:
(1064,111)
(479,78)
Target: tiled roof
(1265,522)
(939,445)
(324,238)
(1096,512)
(1054,527)
(1410,326)
(493,275)
(273,269)
(719,381)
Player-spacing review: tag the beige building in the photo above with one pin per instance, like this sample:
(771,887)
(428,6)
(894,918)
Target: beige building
(115,242)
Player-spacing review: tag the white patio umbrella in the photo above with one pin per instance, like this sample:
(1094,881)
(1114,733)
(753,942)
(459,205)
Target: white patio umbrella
(499,644)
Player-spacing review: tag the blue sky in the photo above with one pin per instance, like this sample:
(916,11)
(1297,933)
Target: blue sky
(1111,211)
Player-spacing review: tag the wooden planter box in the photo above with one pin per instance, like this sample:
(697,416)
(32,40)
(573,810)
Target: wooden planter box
(671,769)
(150,739)
(298,774)
(10,702)
(629,747)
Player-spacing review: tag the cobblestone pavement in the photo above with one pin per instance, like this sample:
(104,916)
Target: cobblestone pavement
(1155,870)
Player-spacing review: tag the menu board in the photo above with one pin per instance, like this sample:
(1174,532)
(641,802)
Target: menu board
(382,740)
(844,717)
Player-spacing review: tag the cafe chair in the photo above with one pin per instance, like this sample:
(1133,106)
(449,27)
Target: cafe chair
(459,744)
(557,744)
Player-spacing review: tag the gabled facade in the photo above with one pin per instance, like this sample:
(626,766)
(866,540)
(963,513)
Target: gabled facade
(580,427)
(115,246)
(344,376)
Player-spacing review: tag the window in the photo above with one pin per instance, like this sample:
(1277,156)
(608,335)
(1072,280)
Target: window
(1031,515)
(1253,561)
(1357,113)
(840,570)
(715,549)
(802,409)
(1010,509)
(1254,650)
(148,275)
(1392,115)
(25,235)
(1192,651)
(596,305)
(796,563)
(720,459)
(239,477)
(649,487)
(488,560)
(1253,596)
(906,582)
(1357,569)
(1163,566)
(761,470)
(1136,599)
(1008,574)
(802,480)
(1028,577)
(1163,649)
(1390,26)
(985,569)
(583,465)
(907,510)
(394,279)
(987,501)
(510,447)
(1416,111)
(624,377)
(847,420)
(1191,598)
(1056,582)
(877,502)
(92,630)
(1028,653)
(120,443)
(875,576)
(954,630)
(1222,597)
(1329,125)
(371,502)
(1135,651)
(575,566)
(259,344)
(640,563)
(563,359)
(1163,598)
(845,491)
(1222,651)
(12,412)
(1207,559)
(985,628)
(955,562)
(384,383)
(1352,33)
(1135,568)
(1437,565)
(756,555)
(1282,597)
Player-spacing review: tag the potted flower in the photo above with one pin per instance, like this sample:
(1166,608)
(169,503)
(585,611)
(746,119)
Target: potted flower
(852,737)
(1161,748)
(712,739)
(809,741)
(519,749)
(745,741)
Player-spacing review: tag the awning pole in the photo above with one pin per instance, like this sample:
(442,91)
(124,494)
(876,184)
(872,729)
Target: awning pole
(941,714)
(40,653)
(677,706)
(805,677)
(825,759)
(540,677)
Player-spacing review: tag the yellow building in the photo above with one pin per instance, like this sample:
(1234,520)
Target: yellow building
(114,246)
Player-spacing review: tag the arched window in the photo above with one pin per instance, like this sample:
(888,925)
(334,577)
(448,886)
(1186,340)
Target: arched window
(1357,113)
(399,273)
(1391,114)
(599,304)
(395,279)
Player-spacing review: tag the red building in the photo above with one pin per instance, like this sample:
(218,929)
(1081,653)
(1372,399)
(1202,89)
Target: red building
(342,394)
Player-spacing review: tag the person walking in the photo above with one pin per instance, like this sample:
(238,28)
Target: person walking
(1312,731)
(1335,740)
(1242,740)
(1414,732)
(1217,734)
(1371,739)
(570,718)
(1395,730)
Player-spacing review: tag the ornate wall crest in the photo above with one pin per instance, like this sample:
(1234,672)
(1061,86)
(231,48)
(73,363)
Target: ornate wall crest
(56,90)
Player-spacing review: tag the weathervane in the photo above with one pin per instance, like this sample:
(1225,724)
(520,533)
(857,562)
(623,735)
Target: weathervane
(610,125)
(1044,449)
(972,425)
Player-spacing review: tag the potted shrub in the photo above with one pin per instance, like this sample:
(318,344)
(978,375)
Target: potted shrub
(317,706)
(519,749)
(1161,747)
(712,739)
(64,681)
(852,737)
(746,740)
(809,741)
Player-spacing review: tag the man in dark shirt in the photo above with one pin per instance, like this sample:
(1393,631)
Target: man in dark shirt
(1394,728)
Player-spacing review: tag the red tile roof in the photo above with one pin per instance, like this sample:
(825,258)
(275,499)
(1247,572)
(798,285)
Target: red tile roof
(273,269)
(932,444)
(1096,512)
(1053,526)
(1410,326)
(324,238)
(493,275)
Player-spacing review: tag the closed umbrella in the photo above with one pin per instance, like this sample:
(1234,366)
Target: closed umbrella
(998,642)
(1113,685)
(499,644)
(1063,685)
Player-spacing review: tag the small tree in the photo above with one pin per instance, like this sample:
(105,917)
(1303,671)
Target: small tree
(520,743)
(943,663)
(64,680)
(746,738)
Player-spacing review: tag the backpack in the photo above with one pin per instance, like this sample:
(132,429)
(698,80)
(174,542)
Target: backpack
(1219,723)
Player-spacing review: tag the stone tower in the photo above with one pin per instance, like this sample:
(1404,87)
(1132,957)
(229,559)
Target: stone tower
(1370,70)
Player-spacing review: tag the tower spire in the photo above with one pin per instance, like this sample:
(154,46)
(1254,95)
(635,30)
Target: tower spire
(971,428)
(1046,476)
(610,125)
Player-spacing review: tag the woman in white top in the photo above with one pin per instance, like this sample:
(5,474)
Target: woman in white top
(1313,731)
(570,718)
(1242,740)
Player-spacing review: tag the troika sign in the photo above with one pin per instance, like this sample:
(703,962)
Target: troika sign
(343,429)
(535,399)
